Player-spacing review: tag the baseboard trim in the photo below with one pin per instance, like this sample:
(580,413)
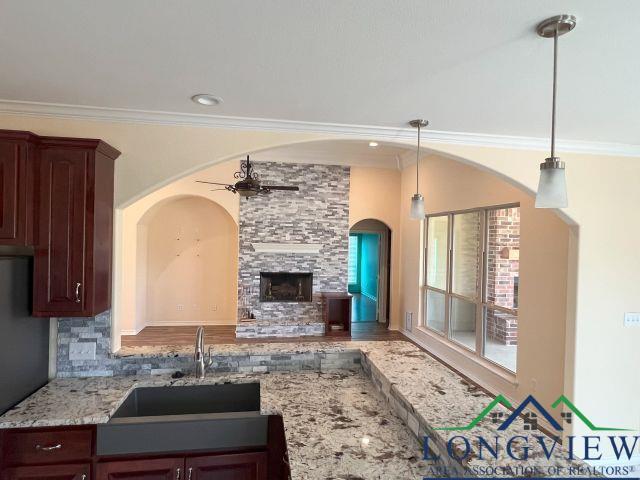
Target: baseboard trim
(131,331)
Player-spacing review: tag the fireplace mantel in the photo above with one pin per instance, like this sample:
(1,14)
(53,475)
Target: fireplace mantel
(302,248)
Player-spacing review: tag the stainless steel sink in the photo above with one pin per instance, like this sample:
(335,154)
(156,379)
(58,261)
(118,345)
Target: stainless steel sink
(184,418)
(190,400)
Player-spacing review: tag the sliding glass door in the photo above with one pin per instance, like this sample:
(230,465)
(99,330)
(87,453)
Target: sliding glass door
(471,285)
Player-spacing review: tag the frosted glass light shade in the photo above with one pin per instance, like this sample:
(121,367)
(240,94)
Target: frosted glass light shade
(417,207)
(552,189)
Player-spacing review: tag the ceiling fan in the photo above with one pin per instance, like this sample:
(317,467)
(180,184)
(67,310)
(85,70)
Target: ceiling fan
(248,184)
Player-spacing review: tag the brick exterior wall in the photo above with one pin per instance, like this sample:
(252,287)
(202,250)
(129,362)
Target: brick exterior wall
(503,269)
(317,214)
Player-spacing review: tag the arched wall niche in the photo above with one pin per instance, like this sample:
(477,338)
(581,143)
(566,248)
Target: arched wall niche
(185,266)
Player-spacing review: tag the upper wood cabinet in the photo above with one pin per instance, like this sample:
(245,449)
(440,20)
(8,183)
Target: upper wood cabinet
(16,187)
(56,194)
(72,266)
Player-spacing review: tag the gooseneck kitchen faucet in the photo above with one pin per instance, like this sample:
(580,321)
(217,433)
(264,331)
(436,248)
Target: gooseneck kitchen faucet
(201,362)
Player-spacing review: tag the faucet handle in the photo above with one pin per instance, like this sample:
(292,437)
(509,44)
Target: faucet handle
(209,360)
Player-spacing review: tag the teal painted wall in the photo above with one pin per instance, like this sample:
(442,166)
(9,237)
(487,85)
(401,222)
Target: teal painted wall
(369,251)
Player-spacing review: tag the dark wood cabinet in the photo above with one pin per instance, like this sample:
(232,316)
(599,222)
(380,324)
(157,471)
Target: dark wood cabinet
(69,453)
(336,311)
(150,469)
(237,466)
(17,168)
(56,195)
(38,446)
(49,472)
(72,265)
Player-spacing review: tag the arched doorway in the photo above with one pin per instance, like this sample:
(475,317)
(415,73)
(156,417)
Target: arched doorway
(370,271)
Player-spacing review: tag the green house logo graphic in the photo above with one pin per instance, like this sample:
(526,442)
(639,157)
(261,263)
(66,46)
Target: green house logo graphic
(529,416)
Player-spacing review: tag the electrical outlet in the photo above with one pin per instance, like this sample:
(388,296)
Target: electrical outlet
(214,308)
(632,319)
(534,385)
(408,321)
(82,351)
(180,307)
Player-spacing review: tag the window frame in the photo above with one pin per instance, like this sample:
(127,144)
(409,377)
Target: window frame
(481,303)
(358,262)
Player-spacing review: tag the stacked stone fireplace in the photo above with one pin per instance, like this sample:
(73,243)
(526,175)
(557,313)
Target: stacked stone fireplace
(297,244)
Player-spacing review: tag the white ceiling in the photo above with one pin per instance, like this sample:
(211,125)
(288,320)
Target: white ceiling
(467,66)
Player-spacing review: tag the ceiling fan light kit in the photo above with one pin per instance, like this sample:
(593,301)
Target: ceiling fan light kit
(248,184)
(552,186)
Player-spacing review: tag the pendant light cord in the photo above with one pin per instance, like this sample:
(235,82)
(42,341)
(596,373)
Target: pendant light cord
(418,163)
(555,86)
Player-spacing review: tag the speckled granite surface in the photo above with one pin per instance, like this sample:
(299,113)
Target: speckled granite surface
(337,425)
(422,392)
(267,348)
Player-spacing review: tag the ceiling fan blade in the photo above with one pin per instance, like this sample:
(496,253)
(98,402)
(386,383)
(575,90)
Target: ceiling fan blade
(214,183)
(219,190)
(281,187)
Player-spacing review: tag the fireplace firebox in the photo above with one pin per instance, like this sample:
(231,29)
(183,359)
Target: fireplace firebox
(286,286)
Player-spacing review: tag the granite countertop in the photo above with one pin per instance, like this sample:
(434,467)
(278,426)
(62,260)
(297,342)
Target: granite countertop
(324,413)
(337,425)
(254,348)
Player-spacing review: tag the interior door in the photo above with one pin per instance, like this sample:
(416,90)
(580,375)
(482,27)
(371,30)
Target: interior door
(60,253)
(151,469)
(49,472)
(238,466)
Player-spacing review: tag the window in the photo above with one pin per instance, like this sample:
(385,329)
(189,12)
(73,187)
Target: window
(438,237)
(470,294)
(354,257)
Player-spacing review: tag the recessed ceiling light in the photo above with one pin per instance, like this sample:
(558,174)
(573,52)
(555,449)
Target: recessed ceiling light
(207,99)
(373,144)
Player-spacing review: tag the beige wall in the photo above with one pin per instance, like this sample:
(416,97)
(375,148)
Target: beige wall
(130,288)
(191,263)
(449,185)
(601,352)
(375,193)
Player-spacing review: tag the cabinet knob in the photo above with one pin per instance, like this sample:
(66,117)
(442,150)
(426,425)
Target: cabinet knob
(78,285)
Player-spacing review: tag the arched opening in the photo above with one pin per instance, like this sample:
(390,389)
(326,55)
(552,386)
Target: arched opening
(186,264)
(370,272)
(380,185)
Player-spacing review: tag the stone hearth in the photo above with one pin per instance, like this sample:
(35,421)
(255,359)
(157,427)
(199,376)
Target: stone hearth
(278,328)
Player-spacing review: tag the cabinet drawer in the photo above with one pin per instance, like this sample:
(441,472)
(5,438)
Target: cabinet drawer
(30,447)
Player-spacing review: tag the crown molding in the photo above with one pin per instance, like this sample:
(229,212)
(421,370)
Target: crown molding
(122,115)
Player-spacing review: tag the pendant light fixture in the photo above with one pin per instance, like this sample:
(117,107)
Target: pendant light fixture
(552,187)
(417,201)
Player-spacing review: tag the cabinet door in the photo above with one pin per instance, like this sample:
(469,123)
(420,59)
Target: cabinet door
(59,279)
(237,466)
(49,472)
(152,469)
(13,193)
